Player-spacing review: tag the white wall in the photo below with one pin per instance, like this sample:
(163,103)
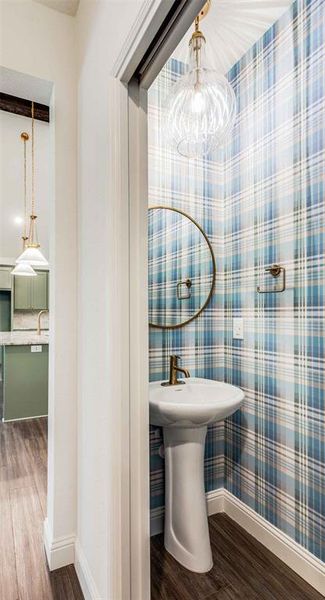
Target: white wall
(102,29)
(12,186)
(41,42)
(48,52)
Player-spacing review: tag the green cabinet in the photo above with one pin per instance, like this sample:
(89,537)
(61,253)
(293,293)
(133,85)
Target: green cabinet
(25,384)
(5,310)
(5,278)
(22,292)
(31,293)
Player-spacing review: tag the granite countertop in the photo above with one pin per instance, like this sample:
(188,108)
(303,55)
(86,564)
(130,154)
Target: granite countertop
(23,338)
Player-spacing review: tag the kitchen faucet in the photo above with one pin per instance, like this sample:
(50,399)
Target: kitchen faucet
(41,312)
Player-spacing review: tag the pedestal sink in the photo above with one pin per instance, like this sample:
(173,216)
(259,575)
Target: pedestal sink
(184,411)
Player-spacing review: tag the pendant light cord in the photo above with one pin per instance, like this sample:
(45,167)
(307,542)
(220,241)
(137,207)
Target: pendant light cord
(33,240)
(24,136)
(25,196)
(33,163)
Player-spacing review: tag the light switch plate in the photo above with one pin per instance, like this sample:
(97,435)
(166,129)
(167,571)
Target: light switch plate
(238,328)
(36,349)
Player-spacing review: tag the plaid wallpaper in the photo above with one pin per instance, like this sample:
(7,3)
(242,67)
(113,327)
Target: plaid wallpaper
(195,187)
(260,201)
(274,171)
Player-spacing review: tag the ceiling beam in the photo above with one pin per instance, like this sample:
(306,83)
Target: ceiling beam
(20,106)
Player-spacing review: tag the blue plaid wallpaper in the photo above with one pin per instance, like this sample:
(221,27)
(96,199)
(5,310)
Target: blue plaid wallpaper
(260,200)
(195,187)
(274,169)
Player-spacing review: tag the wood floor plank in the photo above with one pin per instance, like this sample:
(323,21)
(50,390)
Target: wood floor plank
(267,574)
(32,572)
(226,593)
(64,584)
(7,443)
(40,482)
(8,579)
(170,580)
(24,574)
(243,570)
(34,437)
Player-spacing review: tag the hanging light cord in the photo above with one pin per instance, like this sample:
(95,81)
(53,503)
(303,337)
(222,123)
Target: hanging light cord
(196,41)
(24,136)
(31,254)
(25,238)
(33,163)
(33,240)
(197,36)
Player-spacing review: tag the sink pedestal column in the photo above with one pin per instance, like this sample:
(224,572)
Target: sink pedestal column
(186,522)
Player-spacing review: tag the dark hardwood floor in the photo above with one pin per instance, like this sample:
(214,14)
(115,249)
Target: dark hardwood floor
(23,477)
(243,570)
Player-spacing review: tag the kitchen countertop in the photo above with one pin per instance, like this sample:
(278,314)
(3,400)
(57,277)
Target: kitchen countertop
(23,338)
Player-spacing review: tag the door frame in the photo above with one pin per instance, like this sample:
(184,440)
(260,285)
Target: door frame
(129,568)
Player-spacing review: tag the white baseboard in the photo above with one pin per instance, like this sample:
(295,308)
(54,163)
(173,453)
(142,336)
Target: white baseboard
(86,580)
(24,418)
(60,551)
(300,560)
(215,503)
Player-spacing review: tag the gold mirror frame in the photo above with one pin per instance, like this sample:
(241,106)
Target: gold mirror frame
(154,325)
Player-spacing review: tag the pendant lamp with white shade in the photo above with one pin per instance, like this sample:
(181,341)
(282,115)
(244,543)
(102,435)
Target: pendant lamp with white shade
(24,269)
(32,254)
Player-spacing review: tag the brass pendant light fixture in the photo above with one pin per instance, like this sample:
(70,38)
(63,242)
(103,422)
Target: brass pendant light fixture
(32,254)
(23,269)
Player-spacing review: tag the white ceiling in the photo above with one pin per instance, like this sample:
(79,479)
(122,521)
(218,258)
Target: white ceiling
(69,7)
(231,27)
(25,86)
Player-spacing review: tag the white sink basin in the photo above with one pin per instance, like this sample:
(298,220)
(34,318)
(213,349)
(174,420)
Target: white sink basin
(184,411)
(197,403)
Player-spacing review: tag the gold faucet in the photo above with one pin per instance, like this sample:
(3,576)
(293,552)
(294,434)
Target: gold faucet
(41,312)
(173,369)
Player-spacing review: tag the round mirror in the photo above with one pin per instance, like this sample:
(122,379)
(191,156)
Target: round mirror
(181,267)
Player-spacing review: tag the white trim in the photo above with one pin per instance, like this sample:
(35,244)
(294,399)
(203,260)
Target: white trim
(118,538)
(138,39)
(139,364)
(85,577)
(128,541)
(300,560)
(60,551)
(151,16)
(290,552)
(24,418)
(215,501)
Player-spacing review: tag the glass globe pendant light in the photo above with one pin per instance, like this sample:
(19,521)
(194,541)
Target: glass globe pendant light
(24,269)
(32,254)
(202,105)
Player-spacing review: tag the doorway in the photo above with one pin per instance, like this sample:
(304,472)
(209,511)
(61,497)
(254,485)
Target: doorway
(138,125)
(134,74)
